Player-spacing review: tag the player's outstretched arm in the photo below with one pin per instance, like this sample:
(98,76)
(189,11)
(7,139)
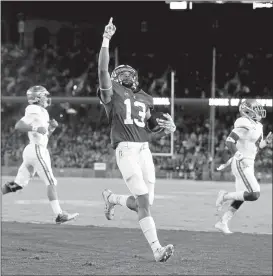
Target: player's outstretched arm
(53,124)
(105,83)
(266,141)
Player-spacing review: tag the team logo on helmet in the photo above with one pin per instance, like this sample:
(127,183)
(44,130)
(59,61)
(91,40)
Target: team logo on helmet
(38,94)
(252,109)
(129,80)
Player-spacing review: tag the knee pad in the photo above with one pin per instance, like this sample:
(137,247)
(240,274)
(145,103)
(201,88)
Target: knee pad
(255,195)
(252,196)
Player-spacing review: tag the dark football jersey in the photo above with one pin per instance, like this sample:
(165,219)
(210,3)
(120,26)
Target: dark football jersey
(127,115)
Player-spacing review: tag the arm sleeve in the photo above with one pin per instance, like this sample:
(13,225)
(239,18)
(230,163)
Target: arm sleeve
(241,127)
(31,114)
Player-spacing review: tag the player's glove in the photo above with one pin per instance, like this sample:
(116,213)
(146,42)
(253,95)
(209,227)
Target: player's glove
(266,141)
(53,124)
(167,124)
(110,29)
(268,138)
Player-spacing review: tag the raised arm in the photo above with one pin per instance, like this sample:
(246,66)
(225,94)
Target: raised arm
(105,83)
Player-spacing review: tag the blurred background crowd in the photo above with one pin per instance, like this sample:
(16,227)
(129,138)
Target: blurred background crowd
(74,73)
(82,139)
(66,64)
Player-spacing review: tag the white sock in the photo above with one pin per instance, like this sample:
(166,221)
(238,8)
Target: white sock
(118,199)
(56,207)
(235,196)
(228,215)
(148,228)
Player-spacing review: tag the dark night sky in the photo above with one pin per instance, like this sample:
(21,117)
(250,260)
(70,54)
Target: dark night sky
(98,11)
(237,21)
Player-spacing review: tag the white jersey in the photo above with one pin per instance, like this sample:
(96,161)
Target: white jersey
(38,117)
(248,143)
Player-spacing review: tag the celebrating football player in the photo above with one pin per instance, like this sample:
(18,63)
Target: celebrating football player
(36,157)
(129,112)
(245,140)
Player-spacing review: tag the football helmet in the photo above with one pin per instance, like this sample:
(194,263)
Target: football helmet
(252,109)
(126,76)
(38,95)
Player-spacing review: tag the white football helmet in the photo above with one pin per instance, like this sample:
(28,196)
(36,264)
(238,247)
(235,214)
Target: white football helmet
(38,95)
(252,109)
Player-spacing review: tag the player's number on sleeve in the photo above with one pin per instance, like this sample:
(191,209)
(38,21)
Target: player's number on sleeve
(129,120)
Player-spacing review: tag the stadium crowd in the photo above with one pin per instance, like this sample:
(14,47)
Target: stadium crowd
(83,136)
(74,73)
(82,140)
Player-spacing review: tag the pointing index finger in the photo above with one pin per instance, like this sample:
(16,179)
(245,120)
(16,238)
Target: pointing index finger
(111,20)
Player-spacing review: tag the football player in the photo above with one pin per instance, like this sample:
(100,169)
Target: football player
(36,157)
(129,109)
(245,140)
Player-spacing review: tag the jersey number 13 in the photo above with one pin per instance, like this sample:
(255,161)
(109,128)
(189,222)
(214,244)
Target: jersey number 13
(138,121)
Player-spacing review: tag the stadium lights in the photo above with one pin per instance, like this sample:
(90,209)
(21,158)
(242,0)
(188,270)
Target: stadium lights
(236,102)
(257,5)
(159,101)
(182,5)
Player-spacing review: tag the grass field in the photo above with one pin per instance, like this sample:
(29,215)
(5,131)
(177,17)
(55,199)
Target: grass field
(184,212)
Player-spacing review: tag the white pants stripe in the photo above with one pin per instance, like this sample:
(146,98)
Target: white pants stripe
(243,176)
(36,159)
(44,166)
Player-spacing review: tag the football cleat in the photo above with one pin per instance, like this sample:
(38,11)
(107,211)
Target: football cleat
(220,200)
(109,209)
(223,227)
(11,187)
(64,217)
(162,254)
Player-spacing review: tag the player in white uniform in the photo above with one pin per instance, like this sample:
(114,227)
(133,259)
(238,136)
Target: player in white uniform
(36,157)
(245,140)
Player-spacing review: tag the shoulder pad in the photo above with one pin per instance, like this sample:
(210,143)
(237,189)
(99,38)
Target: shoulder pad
(32,108)
(243,122)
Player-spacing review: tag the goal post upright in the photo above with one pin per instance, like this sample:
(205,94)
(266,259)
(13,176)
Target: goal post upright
(172,109)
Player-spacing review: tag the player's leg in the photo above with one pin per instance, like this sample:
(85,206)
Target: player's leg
(25,172)
(44,170)
(124,155)
(128,161)
(112,199)
(247,189)
(21,180)
(145,202)
(247,186)
(223,224)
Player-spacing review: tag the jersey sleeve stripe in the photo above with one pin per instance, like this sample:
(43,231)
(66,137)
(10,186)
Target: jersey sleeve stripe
(44,166)
(234,136)
(104,89)
(243,127)
(243,176)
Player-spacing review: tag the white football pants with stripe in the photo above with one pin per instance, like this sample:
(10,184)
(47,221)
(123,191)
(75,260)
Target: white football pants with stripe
(245,179)
(36,159)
